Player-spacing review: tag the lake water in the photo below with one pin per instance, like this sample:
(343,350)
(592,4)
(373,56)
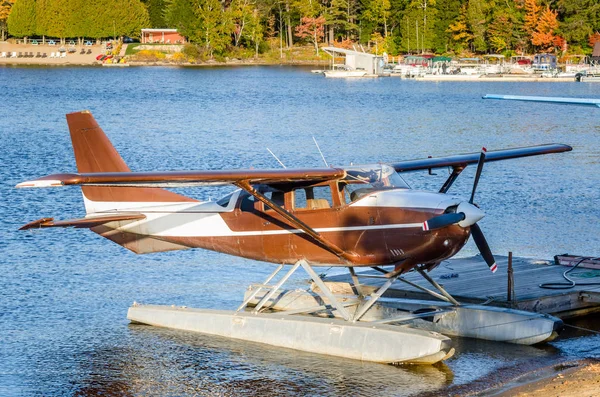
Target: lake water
(64,294)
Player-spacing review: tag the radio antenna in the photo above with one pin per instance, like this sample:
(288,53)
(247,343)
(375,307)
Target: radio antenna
(279,161)
(323,157)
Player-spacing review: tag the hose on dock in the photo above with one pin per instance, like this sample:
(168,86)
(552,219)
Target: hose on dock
(570,283)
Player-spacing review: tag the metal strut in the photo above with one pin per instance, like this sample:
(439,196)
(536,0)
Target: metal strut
(439,287)
(323,290)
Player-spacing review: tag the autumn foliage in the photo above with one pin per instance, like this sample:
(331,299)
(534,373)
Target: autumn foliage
(311,29)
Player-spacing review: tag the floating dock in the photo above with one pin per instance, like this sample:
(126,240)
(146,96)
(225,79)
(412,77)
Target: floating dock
(469,280)
(488,78)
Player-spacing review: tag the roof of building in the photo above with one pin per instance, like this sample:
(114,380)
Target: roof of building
(159,30)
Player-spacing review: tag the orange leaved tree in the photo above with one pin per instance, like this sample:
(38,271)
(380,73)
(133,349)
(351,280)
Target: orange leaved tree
(311,29)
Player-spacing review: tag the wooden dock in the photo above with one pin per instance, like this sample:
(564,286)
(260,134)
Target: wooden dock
(470,281)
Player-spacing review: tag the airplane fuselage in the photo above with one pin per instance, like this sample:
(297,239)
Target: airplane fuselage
(383,227)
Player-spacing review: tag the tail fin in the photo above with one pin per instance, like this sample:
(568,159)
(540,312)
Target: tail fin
(95,153)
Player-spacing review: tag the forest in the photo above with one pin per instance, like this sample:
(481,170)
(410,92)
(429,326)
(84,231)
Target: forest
(397,26)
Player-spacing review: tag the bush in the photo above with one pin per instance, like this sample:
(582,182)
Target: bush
(190,51)
(149,56)
(179,57)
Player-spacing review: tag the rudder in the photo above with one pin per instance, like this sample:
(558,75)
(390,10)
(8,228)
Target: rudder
(95,153)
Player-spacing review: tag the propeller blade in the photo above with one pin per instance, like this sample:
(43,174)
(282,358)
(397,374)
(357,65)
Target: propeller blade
(483,246)
(443,220)
(478,173)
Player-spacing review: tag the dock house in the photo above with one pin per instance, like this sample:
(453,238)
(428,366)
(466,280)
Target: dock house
(358,60)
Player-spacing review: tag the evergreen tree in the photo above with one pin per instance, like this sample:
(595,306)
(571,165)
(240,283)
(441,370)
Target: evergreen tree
(181,14)
(581,19)
(21,21)
(156,13)
(447,12)
(477,20)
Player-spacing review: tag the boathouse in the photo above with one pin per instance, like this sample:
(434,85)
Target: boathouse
(163,36)
(358,60)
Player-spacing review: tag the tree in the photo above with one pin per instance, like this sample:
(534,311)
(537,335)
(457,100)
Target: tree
(581,18)
(476,18)
(21,21)
(5,7)
(378,12)
(156,13)
(311,29)
(181,14)
(502,31)
(447,12)
(241,11)
(215,25)
(544,36)
(255,31)
(532,15)
(461,34)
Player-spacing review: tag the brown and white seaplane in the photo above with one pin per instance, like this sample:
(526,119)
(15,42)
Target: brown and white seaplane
(352,216)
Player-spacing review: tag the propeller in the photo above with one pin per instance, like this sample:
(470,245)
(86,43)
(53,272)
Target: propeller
(467,215)
(443,220)
(483,247)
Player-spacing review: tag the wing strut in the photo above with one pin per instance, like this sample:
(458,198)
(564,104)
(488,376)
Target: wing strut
(456,170)
(329,246)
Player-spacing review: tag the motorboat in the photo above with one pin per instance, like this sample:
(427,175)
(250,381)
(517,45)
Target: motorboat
(342,71)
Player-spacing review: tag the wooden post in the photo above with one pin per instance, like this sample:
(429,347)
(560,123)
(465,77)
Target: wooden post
(510,280)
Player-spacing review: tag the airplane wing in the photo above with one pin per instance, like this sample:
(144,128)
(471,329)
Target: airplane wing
(186,178)
(88,222)
(547,99)
(462,160)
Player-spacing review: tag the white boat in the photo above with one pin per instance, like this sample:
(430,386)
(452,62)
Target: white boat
(344,71)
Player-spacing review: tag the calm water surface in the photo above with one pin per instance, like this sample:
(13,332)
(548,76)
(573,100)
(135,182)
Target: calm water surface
(64,294)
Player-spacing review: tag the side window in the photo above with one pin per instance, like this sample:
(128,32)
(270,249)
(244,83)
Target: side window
(299,199)
(312,198)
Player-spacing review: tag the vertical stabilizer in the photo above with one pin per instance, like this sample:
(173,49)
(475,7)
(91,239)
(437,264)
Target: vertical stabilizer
(95,153)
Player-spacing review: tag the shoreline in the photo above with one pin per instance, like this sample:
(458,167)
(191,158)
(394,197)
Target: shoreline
(570,378)
(579,378)
(86,56)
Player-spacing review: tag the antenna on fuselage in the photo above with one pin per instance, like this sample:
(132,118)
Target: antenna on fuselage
(276,158)
(323,157)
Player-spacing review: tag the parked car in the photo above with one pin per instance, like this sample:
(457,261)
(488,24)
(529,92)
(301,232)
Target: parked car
(52,42)
(127,39)
(88,43)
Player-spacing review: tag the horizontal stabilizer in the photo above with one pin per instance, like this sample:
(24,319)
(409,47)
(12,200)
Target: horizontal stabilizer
(81,222)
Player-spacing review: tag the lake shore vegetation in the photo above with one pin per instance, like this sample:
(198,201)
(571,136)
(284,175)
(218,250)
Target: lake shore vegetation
(249,29)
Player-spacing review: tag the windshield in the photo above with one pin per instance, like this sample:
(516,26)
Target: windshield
(376,175)
(365,179)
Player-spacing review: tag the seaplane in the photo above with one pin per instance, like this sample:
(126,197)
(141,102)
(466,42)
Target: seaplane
(357,216)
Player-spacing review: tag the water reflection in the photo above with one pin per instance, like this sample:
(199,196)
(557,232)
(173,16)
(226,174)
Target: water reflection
(179,362)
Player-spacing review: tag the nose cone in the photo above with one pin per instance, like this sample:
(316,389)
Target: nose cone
(472,214)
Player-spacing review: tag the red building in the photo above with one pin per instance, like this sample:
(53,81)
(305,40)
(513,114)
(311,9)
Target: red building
(163,36)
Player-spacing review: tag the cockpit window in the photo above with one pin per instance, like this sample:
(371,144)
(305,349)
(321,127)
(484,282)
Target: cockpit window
(365,179)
